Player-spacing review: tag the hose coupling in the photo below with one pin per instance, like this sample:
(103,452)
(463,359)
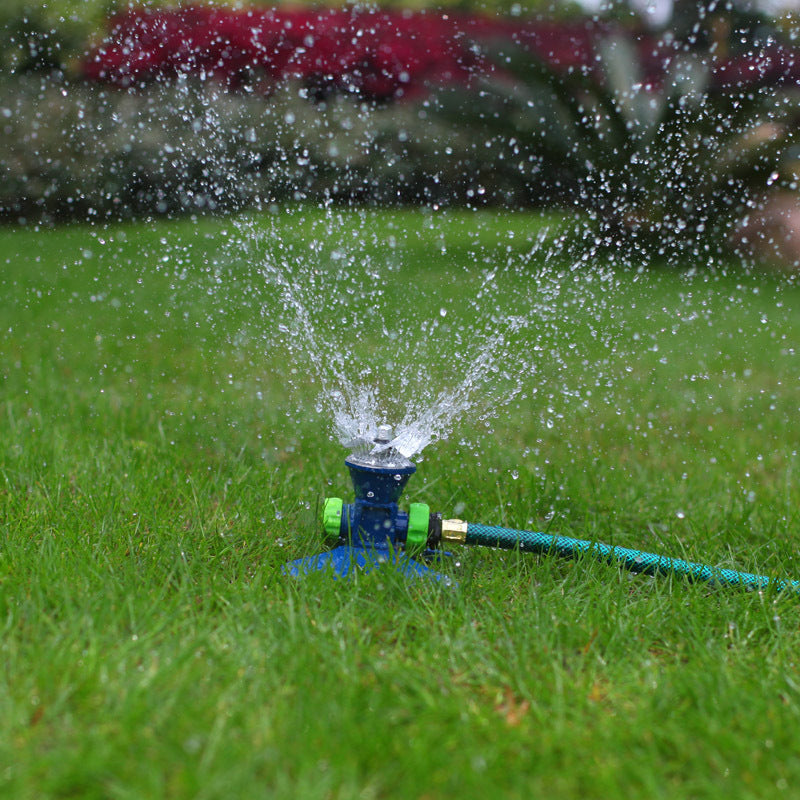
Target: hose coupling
(454,530)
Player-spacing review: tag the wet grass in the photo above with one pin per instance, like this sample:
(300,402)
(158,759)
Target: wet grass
(155,474)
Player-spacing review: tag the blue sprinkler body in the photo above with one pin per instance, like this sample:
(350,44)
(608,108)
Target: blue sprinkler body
(373,530)
(375,520)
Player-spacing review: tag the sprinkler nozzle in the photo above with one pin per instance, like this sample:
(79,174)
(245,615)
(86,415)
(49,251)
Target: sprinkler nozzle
(385,434)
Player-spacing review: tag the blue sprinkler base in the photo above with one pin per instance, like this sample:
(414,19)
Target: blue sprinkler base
(345,559)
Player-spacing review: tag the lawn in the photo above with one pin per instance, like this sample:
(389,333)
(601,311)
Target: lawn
(161,457)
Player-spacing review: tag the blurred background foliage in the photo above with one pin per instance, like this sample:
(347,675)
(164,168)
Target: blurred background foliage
(47,35)
(605,138)
(56,33)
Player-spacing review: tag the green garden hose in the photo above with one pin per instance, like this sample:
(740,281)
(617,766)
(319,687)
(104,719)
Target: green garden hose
(634,560)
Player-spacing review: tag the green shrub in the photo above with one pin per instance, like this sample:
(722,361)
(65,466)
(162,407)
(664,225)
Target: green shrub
(71,150)
(52,36)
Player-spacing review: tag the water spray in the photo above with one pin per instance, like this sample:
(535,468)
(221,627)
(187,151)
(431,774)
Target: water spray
(373,531)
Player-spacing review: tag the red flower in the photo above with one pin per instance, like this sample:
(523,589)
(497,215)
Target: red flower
(377,54)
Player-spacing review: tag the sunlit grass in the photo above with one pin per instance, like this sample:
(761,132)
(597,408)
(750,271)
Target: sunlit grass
(157,469)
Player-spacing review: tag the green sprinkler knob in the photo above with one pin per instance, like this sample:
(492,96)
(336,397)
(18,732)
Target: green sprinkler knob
(332,516)
(419,515)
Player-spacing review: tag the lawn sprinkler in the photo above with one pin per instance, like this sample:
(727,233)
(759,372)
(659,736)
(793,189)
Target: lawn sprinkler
(372,531)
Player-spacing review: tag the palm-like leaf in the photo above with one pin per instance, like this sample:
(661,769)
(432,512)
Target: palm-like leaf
(664,170)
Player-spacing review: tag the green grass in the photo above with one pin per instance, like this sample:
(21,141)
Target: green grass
(151,647)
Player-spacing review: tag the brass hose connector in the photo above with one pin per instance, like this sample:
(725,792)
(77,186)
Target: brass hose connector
(454,530)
